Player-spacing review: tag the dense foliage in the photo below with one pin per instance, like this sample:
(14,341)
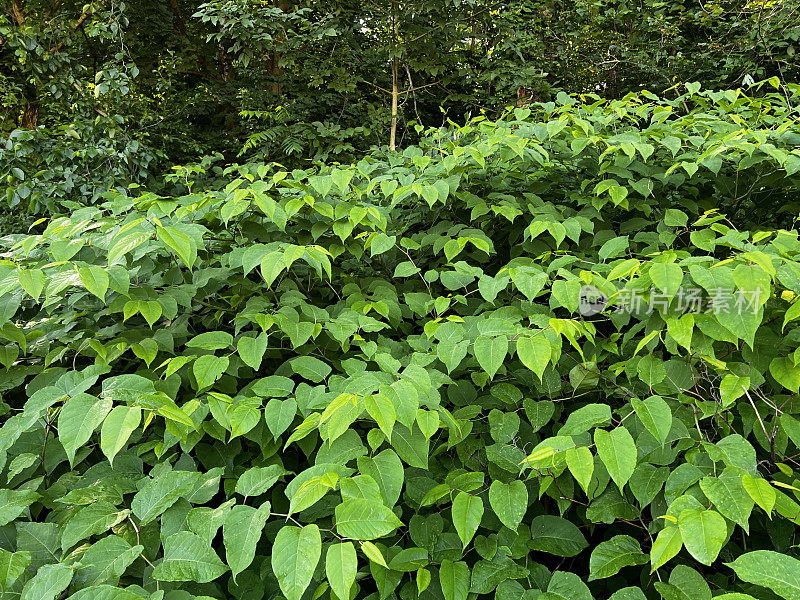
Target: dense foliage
(294,81)
(389,380)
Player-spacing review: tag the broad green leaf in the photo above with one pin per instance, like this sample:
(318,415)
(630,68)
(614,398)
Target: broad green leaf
(95,279)
(251,350)
(161,492)
(454,580)
(509,502)
(667,544)
(94,519)
(207,369)
(311,368)
(609,557)
(78,419)
(311,491)
(372,552)
(188,558)
(295,555)
(580,463)
(786,373)
(279,415)
(117,428)
(178,242)
(491,352)
(534,352)
(211,340)
(32,281)
(380,408)
(760,491)
(617,450)
(14,502)
(48,583)
(104,592)
(729,496)
(585,418)
(12,565)
(257,480)
(655,415)
(106,561)
(240,534)
(364,519)
(467,512)
(703,533)
(667,277)
(556,535)
(777,572)
(340,568)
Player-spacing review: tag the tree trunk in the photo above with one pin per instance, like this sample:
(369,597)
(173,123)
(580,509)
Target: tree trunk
(16,12)
(395,78)
(274,61)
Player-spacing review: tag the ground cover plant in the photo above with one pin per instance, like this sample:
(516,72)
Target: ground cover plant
(552,356)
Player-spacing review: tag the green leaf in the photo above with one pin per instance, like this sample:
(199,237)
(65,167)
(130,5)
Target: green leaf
(509,502)
(104,592)
(667,544)
(94,279)
(380,408)
(279,415)
(760,491)
(240,534)
(454,580)
(364,519)
(207,369)
(667,277)
(311,491)
(80,416)
(534,352)
(311,368)
(295,555)
(49,582)
(381,243)
(180,243)
(90,520)
(655,415)
(211,340)
(467,512)
(491,352)
(12,565)
(409,559)
(609,557)
(32,281)
(106,561)
(617,450)
(556,535)
(772,570)
(585,418)
(187,558)
(580,463)
(117,428)
(651,370)
(158,494)
(786,373)
(703,533)
(257,480)
(14,502)
(613,247)
(729,496)
(340,568)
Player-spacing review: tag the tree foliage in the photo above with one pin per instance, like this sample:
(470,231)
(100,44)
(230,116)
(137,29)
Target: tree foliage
(389,380)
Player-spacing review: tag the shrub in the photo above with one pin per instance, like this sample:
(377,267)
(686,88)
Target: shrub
(389,380)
